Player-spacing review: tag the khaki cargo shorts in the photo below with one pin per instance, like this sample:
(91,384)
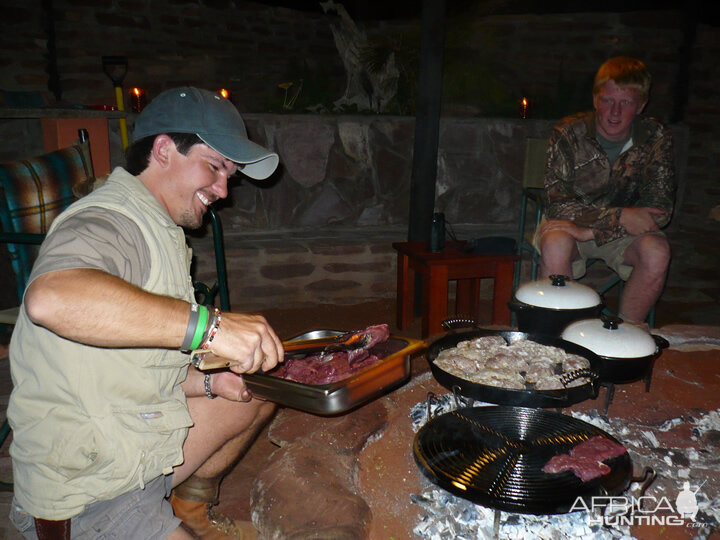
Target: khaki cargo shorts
(612,253)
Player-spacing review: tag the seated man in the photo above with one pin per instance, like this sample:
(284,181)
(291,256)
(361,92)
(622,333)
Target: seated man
(107,415)
(609,189)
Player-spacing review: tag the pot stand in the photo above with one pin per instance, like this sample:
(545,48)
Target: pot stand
(610,388)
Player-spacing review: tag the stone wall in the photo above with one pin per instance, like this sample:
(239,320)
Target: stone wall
(321,228)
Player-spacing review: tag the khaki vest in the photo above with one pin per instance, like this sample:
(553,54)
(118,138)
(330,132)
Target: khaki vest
(92,423)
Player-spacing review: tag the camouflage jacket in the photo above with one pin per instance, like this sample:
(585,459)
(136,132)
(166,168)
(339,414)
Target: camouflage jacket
(581,186)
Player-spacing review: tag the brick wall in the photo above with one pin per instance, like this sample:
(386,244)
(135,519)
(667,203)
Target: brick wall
(251,48)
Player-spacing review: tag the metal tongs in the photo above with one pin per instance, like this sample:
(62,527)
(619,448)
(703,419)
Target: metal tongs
(348,341)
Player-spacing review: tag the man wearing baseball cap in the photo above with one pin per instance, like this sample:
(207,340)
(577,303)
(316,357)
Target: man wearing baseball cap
(108,416)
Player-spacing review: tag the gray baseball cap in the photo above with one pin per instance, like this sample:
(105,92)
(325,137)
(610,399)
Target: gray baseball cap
(212,118)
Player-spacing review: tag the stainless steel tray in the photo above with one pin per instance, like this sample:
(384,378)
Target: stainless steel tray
(341,396)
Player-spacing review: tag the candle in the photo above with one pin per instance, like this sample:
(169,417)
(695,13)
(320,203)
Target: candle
(137,99)
(524,108)
(224,92)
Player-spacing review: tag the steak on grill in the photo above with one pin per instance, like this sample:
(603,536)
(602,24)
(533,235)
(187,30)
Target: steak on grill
(584,468)
(598,447)
(586,459)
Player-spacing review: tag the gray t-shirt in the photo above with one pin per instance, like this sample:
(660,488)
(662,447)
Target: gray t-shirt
(99,239)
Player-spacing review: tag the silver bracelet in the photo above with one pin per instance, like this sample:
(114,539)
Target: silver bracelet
(208,392)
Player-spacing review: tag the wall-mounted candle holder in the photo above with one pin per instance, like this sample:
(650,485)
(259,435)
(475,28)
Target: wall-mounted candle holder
(138,99)
(524,108)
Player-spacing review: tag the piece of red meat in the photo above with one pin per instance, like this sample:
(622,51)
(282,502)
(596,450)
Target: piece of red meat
(333,367)
(586,459)
(378,333)
(599,448)
(585,468)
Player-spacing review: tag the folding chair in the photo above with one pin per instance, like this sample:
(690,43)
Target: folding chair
(533,187)
(34,192)
(203,293)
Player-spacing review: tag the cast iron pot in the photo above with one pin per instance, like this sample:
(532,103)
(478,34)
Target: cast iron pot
(507,396)
(627,352)
(546,306)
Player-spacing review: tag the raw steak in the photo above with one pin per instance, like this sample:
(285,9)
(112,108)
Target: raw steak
(584,468)
(599,448)
(586,459)
(323,369)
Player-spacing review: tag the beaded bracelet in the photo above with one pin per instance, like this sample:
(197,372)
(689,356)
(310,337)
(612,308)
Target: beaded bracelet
(208,391)
(212,330)
(192,324)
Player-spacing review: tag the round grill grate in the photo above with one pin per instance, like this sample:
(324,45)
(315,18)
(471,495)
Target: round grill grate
(494,456)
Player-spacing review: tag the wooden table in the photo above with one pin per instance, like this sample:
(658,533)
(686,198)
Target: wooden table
(437,269)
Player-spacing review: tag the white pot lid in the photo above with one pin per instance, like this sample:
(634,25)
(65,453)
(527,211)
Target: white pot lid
(610,338)
(557,292)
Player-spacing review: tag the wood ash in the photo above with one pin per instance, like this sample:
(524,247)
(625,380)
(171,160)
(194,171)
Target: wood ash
(448,517)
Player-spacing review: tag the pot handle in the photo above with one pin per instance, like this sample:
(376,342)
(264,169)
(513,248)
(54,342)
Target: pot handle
(660,342)
(515,305)
(455,323)
(570,376)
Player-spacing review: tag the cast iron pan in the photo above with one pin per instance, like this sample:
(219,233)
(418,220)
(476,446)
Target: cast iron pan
(509,396)
(494,456)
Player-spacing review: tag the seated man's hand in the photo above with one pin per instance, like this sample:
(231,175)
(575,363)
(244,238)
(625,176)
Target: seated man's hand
(248,340)
(230,386)
(581,234)
(640,220)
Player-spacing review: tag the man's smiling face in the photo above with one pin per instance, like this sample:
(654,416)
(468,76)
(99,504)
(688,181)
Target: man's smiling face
(198,179)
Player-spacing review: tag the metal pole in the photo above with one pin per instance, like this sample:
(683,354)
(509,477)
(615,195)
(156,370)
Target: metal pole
(427,128)
(427,121)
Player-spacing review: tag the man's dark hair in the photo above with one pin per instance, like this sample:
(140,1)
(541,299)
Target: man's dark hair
(137,155)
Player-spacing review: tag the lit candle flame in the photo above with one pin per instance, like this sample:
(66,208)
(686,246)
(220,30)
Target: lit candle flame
(137,91)
(524,102)
(224,93)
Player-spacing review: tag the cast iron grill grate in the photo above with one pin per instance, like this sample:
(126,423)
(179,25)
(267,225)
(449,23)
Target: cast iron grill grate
(494,456)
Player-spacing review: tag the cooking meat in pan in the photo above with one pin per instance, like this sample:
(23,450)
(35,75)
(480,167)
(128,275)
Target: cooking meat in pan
(520,365)
(330,367)
(586,459)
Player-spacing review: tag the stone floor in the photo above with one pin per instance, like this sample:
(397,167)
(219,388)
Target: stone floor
(377,472)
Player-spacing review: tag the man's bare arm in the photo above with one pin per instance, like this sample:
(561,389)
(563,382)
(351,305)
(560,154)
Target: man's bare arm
(96,308)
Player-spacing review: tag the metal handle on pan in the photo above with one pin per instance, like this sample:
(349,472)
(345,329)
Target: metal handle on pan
(645,480)
(567,378)
(455,323)
(570,376)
